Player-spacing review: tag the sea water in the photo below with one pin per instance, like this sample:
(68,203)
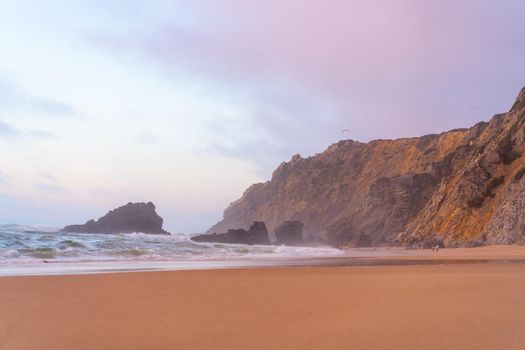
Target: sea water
(25,245)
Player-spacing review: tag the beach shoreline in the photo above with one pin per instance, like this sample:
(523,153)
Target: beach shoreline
(455,306)
(379,256)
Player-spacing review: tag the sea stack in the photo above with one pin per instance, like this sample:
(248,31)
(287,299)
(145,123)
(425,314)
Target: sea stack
(256,234)
(132,217)
(290,233)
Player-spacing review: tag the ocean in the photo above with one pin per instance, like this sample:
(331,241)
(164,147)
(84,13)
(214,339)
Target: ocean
(34,246)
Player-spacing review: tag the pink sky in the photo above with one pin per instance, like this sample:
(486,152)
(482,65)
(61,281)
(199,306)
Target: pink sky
(210,96)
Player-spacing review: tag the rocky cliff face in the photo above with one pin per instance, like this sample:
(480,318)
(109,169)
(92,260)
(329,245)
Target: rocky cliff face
(132,217)
(464,186)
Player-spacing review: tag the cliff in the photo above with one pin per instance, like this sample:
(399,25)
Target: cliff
(465,187)
(132,217)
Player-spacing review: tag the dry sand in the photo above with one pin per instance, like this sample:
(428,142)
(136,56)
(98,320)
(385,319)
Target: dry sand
(467,306)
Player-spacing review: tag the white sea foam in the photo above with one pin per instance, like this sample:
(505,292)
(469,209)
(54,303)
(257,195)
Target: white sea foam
(26,228)
(18,244)
(9,254)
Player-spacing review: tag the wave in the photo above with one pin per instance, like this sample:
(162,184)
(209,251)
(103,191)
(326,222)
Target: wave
(18,245)
(26,228)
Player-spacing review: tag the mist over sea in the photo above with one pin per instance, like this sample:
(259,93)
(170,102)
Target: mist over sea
(26,244)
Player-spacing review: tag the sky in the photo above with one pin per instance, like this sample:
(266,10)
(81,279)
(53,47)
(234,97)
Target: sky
(187,103)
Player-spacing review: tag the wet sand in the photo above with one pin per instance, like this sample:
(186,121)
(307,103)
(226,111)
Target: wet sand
(380,256)
(500,252)
(450,306)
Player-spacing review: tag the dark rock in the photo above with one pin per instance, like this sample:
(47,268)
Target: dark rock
(475,242)
(132,217)
(256,234)
(479,241)
(363,241)
(407,239)
(432,241)
(290,233)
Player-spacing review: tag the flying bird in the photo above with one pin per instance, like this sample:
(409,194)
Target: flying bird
(475,110)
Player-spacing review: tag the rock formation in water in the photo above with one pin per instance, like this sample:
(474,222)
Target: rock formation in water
(290,233)
(256,234)
(463,187)
(132,217)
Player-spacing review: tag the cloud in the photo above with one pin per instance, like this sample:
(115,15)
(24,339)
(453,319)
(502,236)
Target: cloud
(9,131)
(13,98)
(41,134)
(248,140)
(263,154)
(381,68)
(147,138)
(51,188)
(4,179)
(47,176)
(103,192)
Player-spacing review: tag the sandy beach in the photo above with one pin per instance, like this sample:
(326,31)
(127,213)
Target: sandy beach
(451,306)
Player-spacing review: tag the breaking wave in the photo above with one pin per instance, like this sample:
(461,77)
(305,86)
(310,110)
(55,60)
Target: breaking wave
(24,244)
